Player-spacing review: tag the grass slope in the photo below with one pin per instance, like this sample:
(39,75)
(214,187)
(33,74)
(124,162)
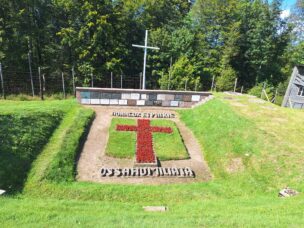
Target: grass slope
(166,146)
(244,144)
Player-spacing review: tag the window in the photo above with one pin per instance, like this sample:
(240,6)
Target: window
(301,91)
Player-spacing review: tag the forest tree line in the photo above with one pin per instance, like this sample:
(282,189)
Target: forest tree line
(198,40)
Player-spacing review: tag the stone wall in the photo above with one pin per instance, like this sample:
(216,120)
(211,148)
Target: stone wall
(132,97)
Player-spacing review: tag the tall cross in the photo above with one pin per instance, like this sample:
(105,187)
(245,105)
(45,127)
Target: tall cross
(144,145)
(146,47)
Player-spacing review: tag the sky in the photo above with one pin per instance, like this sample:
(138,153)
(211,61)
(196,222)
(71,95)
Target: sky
(286,7)
(287,4)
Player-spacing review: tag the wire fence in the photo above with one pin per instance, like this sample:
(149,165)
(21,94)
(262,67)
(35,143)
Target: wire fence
(38,83)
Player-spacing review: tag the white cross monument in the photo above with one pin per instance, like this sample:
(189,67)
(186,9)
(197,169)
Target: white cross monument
(146,47)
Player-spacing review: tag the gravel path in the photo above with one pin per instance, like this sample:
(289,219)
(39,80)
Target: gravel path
(93,157)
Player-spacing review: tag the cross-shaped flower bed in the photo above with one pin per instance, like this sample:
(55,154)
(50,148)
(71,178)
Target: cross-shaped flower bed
(144,146)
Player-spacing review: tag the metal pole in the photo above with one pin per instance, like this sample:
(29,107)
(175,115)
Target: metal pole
(121,81)
(31,73)
(235,84)
(92,80)
(111,80)
(73,78)
(212,85)
(40,83)
(170,73)
(63,86)
(2,82)
(145,61)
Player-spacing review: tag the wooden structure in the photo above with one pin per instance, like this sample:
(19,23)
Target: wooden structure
(294,97)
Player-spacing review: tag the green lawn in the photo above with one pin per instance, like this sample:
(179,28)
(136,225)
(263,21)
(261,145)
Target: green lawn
(166,146)
(265,140)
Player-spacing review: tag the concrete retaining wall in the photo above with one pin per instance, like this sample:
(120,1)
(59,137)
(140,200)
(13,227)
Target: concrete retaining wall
(134,97)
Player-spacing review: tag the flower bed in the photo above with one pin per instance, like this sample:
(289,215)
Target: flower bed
(144,146)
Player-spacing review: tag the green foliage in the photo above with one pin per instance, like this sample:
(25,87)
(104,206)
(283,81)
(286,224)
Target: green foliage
(257,91)
(248,36)
(226,81)
(123,144)
(181,76)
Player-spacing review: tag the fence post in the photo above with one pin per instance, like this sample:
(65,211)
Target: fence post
(212,85)
(170,71)
(275,96)
(186,84)
(140,80)
(31,73)
(73,78)
(111,80)
(121,81)
(2,82)
(43,79)
(92,80)
(195,85)
(235,84)
(63,86)
(40,83)
(242,89)
(263,89)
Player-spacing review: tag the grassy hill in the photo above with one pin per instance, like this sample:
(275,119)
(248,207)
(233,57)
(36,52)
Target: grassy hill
(253,149)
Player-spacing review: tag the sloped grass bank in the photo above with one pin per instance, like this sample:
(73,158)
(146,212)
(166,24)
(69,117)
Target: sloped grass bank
(22,136)
(57,163)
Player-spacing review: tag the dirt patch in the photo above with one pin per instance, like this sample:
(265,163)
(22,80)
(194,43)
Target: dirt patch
(235,166)
(93,156)
(237,104)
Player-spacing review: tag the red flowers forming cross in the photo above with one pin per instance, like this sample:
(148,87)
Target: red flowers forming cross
(144,148)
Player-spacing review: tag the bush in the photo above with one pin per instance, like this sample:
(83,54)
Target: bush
(257,91)
(227,80)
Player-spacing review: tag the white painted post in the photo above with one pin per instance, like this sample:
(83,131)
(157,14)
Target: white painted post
(235,84)
(2,82)
(212,85)
(43,79)
(63,85)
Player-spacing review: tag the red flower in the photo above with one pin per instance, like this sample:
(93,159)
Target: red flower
(144,145)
